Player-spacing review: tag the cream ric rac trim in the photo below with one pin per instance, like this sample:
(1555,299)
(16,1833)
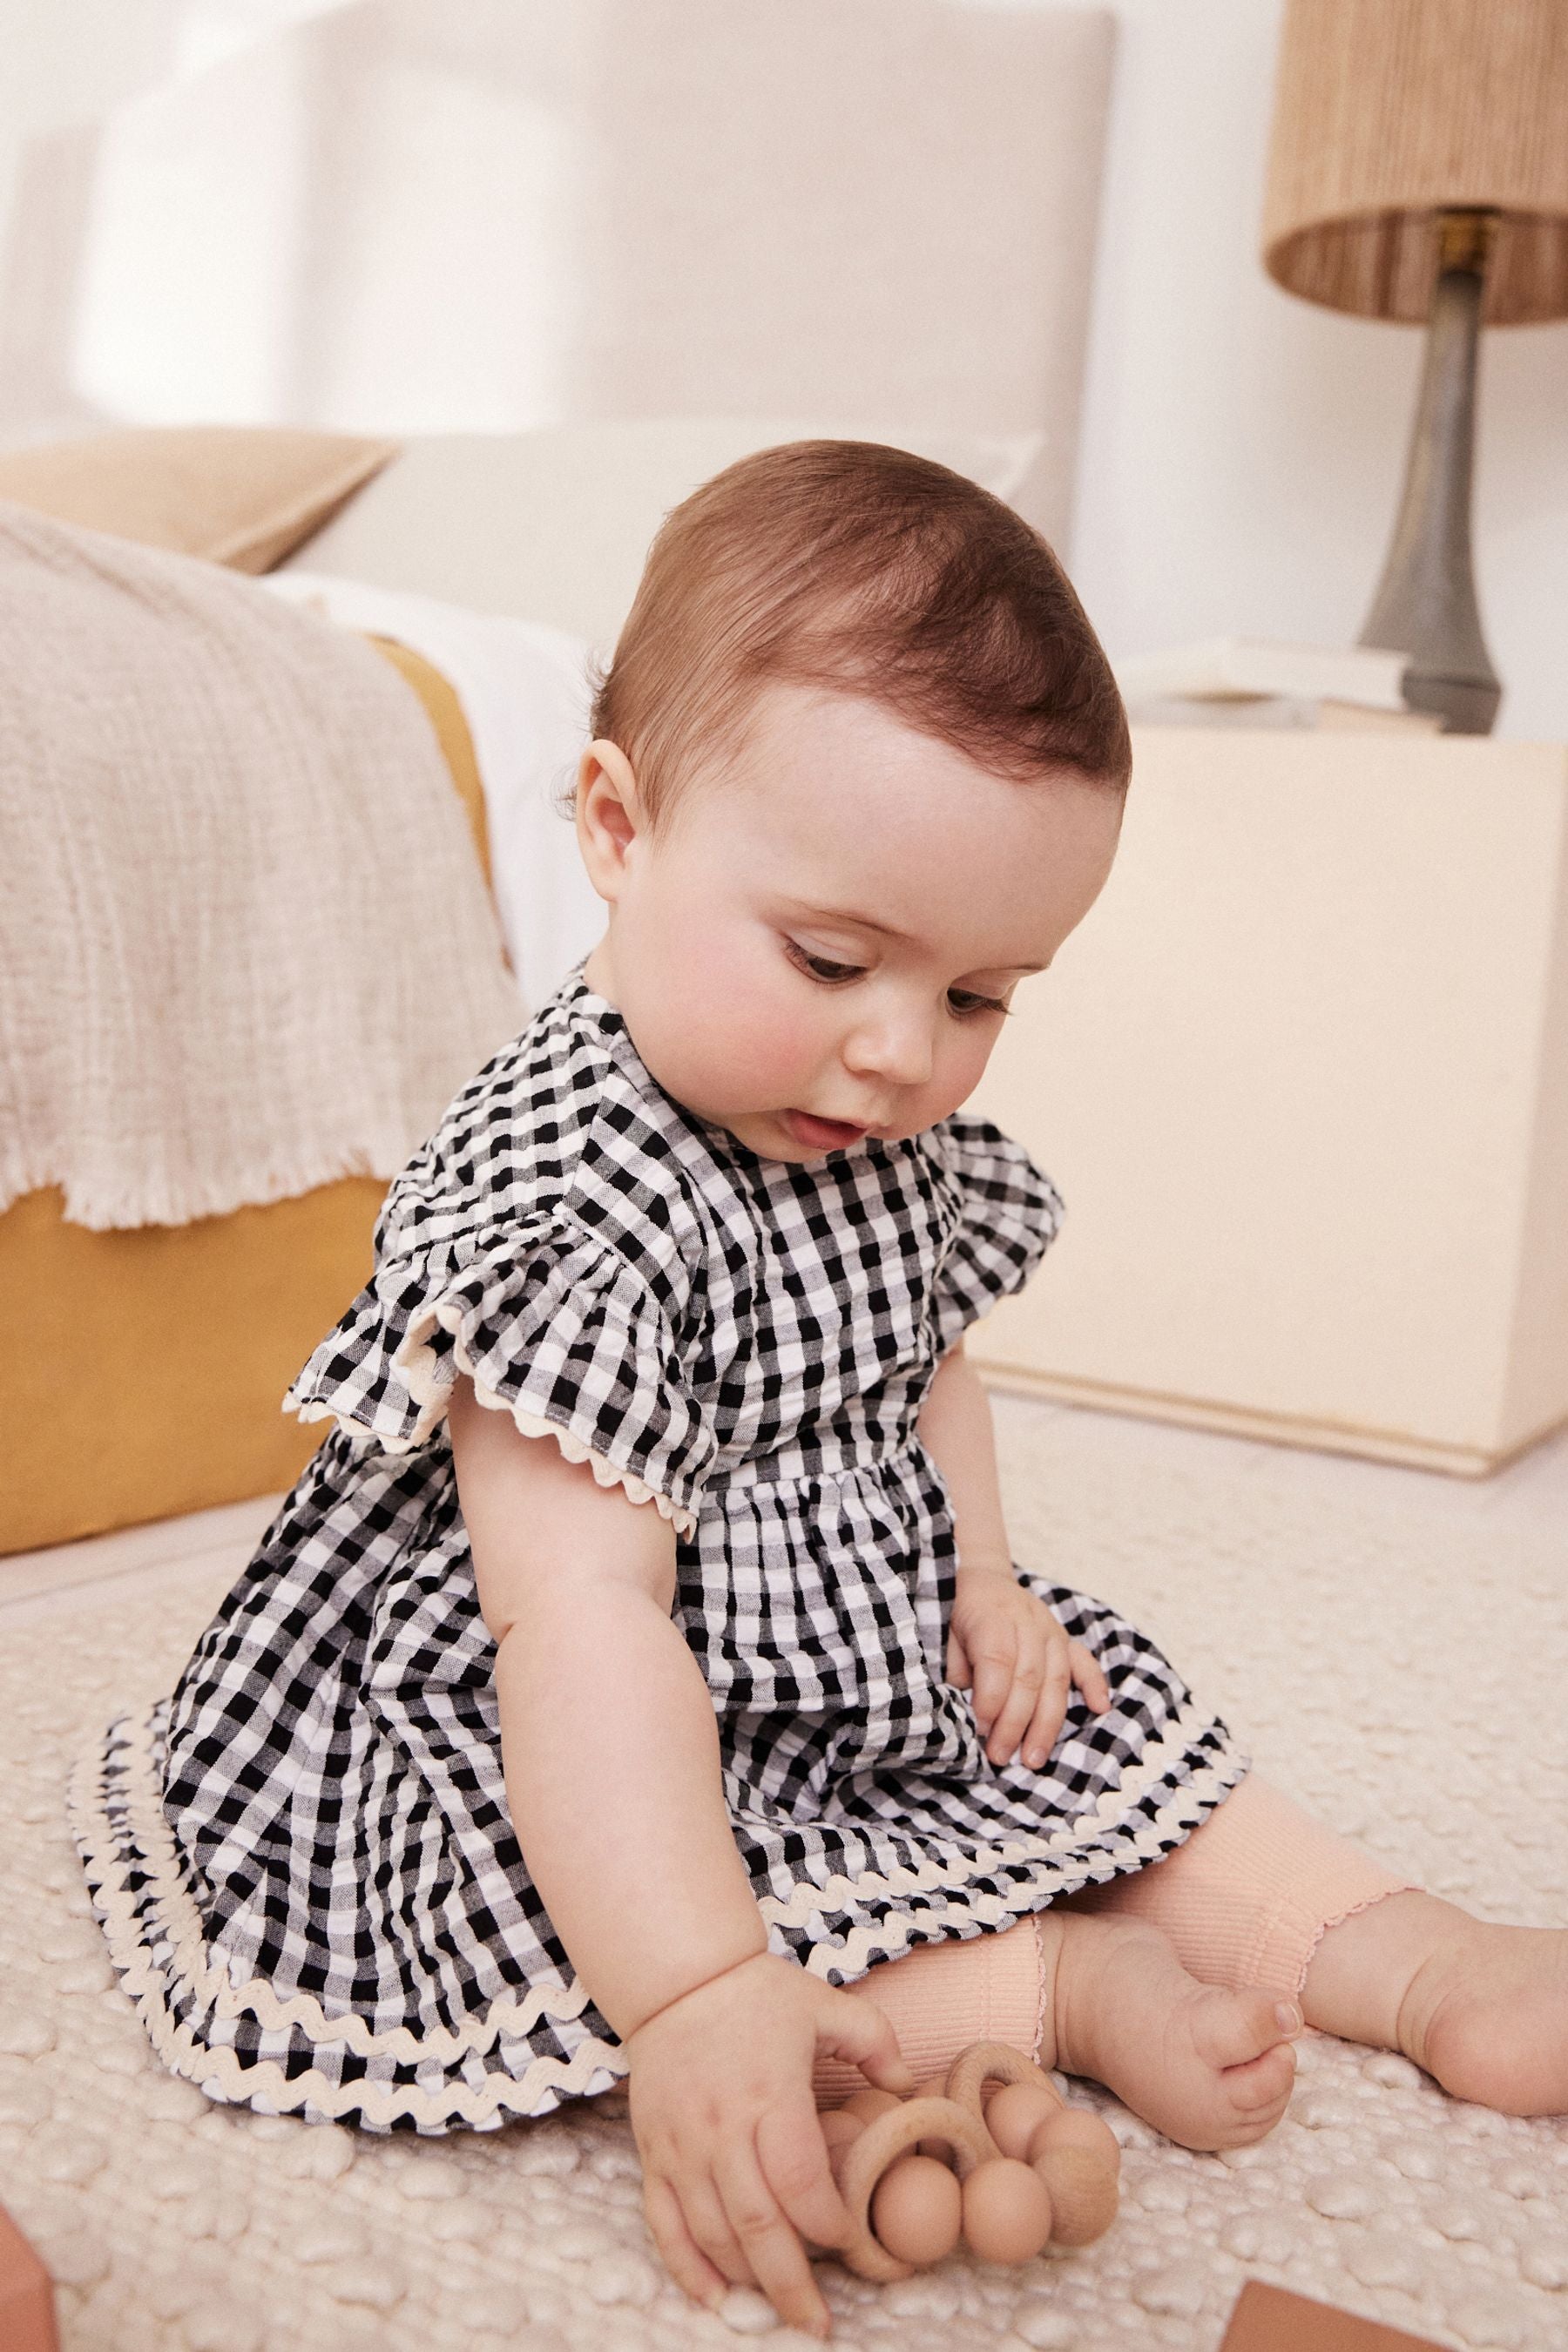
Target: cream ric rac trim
(605,1472)
(263,2082)
(1184,1809)
(419,1368)
(209,1980)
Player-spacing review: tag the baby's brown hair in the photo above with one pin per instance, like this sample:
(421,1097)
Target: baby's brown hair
(862,569)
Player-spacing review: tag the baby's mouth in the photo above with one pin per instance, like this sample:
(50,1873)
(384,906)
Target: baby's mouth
(820,1134)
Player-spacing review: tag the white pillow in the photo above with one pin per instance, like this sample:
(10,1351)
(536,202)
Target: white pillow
(552,525)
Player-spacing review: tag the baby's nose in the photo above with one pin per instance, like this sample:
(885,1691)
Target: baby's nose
(896,1047)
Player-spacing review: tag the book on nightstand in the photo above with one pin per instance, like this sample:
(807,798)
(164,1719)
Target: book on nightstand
(1257,682)
(1278,711)
(1221,667)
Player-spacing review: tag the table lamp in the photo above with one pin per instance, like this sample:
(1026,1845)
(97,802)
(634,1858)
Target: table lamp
(1419,173)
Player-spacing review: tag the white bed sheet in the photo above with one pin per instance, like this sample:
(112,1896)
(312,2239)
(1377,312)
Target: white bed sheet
(525,694)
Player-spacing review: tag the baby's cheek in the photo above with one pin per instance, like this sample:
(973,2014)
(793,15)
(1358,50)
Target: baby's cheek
(959,1070)
(763,1026)
(731,1039)
(769,1054)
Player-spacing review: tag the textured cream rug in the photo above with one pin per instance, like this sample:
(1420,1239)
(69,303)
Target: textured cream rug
(1392,1644)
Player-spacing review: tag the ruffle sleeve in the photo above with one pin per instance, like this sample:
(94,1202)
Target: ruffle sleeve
(1006,1216)
(552,1327)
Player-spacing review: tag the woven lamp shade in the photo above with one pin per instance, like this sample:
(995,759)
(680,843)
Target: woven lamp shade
(1388,112)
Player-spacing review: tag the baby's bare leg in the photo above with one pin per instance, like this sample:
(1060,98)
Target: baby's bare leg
(1482,2006)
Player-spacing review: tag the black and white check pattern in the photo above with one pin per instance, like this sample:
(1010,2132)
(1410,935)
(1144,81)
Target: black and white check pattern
(320,1899)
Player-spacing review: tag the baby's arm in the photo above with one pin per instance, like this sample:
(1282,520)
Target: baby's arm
(1003,1643)
(610,1753)
(608,1739)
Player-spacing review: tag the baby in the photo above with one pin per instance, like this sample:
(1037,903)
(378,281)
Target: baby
(641,1663)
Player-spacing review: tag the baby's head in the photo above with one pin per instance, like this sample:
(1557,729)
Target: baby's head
(857,770)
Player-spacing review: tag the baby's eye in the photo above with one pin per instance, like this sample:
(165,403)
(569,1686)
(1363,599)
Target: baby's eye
(821,968)
(964,1000)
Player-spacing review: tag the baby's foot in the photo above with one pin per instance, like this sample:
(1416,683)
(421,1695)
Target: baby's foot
(1482,2006)
(1207,2067)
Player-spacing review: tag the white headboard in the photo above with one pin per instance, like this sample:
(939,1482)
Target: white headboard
(484,214)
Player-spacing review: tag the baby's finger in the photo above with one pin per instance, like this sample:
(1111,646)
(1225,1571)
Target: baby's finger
(769,2242)
(1010,1726)
(1051,1706)
(993,1658)
(793,2157)
(707,2225)
(1047,1727)
(686,2264)
(856,2031)
(958,1673)
(1089,1676)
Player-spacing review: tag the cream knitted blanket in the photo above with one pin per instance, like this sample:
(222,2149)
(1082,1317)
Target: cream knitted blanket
(245,943)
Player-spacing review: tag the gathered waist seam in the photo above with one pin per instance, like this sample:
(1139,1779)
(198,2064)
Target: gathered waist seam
(782,1470)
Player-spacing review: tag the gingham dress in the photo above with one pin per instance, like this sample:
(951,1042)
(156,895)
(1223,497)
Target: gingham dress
(303,1859)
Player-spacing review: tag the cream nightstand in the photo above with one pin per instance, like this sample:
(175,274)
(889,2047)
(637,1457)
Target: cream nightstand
(1302,1078)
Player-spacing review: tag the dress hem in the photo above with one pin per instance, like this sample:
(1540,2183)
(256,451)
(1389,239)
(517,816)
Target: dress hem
(140,1899)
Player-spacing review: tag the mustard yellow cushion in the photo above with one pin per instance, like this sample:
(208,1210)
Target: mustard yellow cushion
(444,713)
(244,495)
(152,1377)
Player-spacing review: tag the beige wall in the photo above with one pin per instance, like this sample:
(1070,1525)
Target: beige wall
(69,60)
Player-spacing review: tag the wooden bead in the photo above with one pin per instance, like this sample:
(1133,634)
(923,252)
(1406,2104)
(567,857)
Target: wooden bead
(869,2103)
(917,2210)
(891,2135)
(1078,2128)
(978,2074)
(1016,2113)
(1007,2211)
(1082,2195)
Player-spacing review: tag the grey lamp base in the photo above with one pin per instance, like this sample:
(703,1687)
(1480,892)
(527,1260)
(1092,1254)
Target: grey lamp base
(1425,603)
(1467,706)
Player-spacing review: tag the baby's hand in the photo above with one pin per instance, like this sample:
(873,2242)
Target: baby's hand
(734,2164)
(1007,1646)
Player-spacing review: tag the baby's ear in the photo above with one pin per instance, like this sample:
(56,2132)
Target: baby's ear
(609,814)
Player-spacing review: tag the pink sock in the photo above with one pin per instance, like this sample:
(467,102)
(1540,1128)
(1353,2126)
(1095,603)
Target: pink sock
(1248,1896)
(940,1998)
(1245,1901)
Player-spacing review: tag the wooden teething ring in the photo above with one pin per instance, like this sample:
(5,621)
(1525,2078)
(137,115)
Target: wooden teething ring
(994,2062)
(889,2137)
(1087,2181)
(1079,2162)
